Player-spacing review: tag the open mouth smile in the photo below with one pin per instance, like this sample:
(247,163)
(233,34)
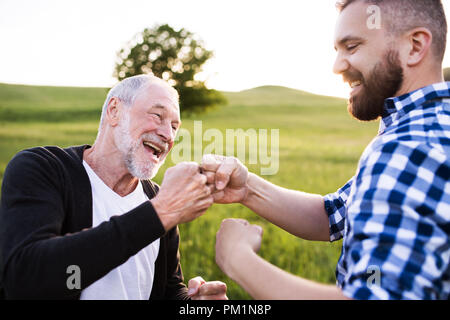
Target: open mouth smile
(154,149)
(355,86)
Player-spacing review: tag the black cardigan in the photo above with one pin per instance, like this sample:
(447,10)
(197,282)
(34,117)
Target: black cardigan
(46,226)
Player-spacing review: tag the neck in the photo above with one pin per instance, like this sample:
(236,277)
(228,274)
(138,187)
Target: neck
(109,166)
(419,80)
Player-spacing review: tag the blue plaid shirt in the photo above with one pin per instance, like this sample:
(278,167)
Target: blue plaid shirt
(394,214)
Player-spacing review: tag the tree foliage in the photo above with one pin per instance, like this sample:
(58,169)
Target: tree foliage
(175,56)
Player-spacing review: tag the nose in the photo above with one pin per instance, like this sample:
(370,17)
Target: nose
(166,132)
(340,64)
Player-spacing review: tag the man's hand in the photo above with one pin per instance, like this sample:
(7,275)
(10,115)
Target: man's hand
(228,175)
(236,237)
(183,195)
(199,289)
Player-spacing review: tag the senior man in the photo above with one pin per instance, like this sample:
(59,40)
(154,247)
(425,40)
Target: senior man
(394,214)
(95,211)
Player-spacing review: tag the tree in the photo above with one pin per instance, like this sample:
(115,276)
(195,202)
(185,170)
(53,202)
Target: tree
(175,56)
(447,74)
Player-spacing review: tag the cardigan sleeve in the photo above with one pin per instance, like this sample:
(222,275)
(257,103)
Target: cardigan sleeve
(35,257)
(175,288)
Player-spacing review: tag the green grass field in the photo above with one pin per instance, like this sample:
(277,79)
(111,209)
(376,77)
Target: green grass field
(319,148)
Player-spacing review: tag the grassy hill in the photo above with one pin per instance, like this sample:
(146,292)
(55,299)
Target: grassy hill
(319,147)
(272,95)
(49,104)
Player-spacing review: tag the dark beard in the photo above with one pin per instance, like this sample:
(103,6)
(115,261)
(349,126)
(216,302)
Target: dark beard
(383,82)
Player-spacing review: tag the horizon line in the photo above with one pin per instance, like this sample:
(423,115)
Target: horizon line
(223,91)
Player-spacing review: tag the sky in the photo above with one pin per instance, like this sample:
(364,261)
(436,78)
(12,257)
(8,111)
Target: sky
(255,42)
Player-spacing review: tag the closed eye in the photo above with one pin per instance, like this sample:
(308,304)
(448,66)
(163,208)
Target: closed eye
(350,43)
(352,47)
(175,125)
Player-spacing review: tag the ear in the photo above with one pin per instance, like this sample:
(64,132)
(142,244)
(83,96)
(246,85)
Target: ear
(113,112)
(419,40)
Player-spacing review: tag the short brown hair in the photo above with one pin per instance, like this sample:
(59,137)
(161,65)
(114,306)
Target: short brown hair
(404,15)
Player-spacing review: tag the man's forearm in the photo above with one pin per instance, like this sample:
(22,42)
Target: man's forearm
(264,281)
(299,213)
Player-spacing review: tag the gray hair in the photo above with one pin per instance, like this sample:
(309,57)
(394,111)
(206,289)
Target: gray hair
(128,89)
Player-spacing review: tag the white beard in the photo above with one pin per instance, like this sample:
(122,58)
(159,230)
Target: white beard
(141,169)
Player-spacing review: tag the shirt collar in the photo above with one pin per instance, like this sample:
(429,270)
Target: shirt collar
(397,107)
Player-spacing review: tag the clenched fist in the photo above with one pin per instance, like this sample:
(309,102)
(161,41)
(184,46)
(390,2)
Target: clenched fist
(236,237)
(183,195)
(229,177)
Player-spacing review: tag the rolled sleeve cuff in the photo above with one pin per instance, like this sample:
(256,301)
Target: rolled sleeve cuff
(336,219)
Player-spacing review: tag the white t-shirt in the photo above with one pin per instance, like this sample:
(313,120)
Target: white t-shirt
(133,280)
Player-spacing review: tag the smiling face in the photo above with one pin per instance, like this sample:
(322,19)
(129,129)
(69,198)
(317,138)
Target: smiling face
(147,129)
(368,62)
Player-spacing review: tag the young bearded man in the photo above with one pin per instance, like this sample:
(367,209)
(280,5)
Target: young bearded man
(394,214)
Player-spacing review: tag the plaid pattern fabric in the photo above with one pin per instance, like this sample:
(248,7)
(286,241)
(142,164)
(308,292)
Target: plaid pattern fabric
(394,214)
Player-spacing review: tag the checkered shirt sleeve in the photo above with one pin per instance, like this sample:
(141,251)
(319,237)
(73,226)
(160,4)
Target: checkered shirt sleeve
(336,208)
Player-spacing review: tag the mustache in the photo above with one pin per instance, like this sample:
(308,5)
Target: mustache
(154,139)
(352,75)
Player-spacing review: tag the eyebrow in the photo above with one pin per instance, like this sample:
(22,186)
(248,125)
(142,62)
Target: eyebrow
(348,38)
(159,106)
